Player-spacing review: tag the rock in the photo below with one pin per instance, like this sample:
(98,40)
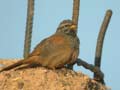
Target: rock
(41,78)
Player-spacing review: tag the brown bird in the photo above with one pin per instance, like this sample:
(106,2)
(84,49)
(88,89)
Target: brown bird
(55,51)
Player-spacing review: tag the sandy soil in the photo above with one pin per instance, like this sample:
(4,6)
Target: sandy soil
(41,78)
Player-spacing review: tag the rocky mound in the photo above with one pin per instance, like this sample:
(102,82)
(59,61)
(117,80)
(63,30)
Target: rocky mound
(41,78)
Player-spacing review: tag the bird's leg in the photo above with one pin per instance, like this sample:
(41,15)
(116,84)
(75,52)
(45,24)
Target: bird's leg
(70,66)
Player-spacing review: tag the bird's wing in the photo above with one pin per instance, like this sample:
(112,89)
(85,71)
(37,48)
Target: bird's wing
(54,50)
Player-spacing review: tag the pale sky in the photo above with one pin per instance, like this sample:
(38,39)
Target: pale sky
(48,14)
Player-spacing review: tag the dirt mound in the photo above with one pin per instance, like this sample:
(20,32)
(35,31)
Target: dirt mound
(41,78)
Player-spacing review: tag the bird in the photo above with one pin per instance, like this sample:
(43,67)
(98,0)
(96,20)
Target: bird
(55,51)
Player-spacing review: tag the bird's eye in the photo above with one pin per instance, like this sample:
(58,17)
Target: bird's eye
(66,25)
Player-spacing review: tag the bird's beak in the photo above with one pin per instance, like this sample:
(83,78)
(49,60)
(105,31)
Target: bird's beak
(73,27)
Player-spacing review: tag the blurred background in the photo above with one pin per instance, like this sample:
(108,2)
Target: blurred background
(48,14)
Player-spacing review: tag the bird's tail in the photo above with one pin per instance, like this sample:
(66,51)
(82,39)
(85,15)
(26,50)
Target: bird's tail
(13,65)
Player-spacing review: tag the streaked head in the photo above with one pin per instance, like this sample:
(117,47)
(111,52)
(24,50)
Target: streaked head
(67,27)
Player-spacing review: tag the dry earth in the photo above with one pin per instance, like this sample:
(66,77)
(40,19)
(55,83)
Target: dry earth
(41,78)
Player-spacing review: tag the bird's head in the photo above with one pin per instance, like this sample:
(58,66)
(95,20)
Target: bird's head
(67,27)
